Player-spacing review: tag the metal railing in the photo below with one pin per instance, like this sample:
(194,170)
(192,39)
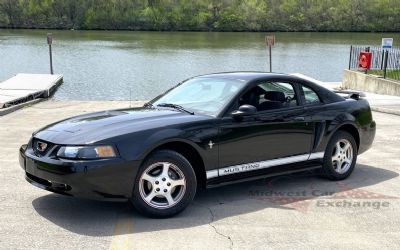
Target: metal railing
(384,62)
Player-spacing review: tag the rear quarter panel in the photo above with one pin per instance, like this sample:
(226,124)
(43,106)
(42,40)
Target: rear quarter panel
(333,116)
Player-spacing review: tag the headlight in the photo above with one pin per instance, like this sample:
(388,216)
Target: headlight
(86,152)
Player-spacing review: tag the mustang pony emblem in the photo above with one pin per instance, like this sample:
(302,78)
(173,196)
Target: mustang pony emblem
(41,146)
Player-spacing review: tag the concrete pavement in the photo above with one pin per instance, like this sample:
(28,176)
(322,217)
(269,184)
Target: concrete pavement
(296,211)
(384,103)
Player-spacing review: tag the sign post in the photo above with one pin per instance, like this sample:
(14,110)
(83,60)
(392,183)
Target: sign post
(49,42)
(270,41)
(387,43)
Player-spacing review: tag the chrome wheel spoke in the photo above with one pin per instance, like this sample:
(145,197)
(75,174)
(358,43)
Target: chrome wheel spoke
(165,169)
(179,182)
(339,166)
(148,178)
(169,198)
(347,160)
(151,196)
(335,157)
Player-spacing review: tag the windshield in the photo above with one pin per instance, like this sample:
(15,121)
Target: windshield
(202,95)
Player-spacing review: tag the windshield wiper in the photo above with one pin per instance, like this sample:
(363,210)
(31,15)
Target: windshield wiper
(175,106)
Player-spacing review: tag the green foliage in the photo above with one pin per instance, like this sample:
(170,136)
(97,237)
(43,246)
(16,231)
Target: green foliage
(393,74)
(204,15)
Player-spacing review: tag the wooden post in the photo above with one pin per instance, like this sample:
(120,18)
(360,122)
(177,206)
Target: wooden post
(270,59)
(351,51)
(49,42)
(270,41)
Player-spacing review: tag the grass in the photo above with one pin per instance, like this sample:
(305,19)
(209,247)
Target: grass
(390,74)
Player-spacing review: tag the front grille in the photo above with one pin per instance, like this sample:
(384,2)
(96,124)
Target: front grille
(40,147)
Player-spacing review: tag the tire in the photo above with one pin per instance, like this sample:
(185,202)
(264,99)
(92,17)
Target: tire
(165,185)
(340,156)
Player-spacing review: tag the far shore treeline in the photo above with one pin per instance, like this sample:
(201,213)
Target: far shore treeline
(203,15)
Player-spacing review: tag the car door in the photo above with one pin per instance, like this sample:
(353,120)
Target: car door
(271,137)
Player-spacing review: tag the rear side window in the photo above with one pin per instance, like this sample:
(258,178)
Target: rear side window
(283,87)
(310,96)
(270,95)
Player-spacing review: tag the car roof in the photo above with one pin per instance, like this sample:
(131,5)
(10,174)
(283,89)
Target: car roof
(250,76)
(242,75)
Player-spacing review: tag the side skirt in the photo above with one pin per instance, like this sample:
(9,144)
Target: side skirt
(217,183)
(255,166)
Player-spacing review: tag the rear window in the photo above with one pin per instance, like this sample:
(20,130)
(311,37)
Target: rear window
(310,96)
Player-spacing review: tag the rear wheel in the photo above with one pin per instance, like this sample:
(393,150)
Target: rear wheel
(340,156)
(165,185)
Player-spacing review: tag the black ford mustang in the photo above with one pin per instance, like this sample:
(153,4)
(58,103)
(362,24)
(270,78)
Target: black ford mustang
(207,131)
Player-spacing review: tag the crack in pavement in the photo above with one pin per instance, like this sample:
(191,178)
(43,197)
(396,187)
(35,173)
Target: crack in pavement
(216,230)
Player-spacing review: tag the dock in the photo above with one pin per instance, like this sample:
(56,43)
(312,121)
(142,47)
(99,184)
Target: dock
(24,88)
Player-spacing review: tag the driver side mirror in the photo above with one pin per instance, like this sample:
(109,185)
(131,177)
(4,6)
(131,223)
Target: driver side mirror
(244,110)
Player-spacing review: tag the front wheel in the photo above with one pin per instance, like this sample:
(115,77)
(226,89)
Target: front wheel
(340,156)
(165,185)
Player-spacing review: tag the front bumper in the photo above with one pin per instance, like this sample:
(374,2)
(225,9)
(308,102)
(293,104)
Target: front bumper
(106,179)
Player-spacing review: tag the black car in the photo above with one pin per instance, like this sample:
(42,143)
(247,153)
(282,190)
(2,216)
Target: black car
(207,131)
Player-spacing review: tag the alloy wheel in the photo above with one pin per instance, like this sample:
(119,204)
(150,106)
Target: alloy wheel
(342,156)
(162,185)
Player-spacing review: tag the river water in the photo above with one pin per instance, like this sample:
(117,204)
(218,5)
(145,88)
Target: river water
(114,65)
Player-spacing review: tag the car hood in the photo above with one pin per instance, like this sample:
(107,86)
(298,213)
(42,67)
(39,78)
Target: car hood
(99,126)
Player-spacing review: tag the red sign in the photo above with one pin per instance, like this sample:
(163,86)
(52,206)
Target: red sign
(364,60)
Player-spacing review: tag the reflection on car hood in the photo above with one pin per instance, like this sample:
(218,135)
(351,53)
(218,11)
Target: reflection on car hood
(94,127)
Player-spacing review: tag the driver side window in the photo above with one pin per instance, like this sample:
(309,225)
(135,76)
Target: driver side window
(270,96)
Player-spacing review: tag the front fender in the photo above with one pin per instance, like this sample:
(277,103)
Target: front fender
(166,136)
(136,146)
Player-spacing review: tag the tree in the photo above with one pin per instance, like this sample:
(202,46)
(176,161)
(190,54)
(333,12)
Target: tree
(204,15)
(10,10)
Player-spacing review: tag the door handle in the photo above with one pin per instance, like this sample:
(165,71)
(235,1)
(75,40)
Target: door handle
(299,118)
